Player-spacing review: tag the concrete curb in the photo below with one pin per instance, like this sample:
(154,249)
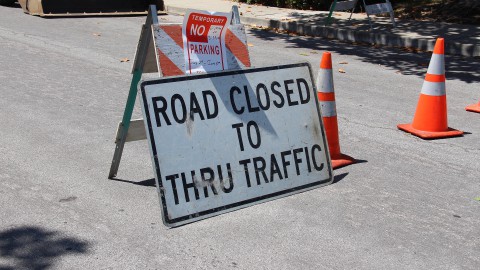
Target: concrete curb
(349,35)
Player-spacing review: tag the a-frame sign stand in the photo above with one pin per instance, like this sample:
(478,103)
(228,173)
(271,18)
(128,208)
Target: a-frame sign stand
(373,9)
(145,62)
(141,56)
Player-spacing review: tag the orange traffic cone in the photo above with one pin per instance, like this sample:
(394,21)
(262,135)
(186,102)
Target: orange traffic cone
(430,120)
(474,108)
(326,96)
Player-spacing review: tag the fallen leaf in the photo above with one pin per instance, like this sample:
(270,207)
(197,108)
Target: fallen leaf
(124,60)
(68,199)
(304,54)
(250,44)
(341,70)
(477,199)
(343,63)
(314,52)
(411,49)
(97,34)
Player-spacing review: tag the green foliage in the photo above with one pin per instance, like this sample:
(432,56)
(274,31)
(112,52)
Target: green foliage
(296,4)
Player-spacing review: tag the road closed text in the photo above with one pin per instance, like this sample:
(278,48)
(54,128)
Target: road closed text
(243,99)
(233,138)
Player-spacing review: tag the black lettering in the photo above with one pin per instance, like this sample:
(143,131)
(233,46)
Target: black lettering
(206,94)
(245,163)
(195,107)
(309,166)
(232,100)
(186,186)
(296,159)
(183,117)
(278,94)
(274,168)
(265,106)
(285,163)
(317,167)
(211,177)
(249,104)
(239,134)
(222,180)
(161,110)
(307,90)
(257,131)
(260,169)
(289,93)
(172,179)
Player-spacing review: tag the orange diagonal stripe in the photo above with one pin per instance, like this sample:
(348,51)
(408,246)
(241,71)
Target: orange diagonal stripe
(167,67)
(174,32)
(237,47)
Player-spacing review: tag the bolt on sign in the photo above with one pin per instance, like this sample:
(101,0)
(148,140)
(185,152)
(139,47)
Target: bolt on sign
(203,35)
(227,140)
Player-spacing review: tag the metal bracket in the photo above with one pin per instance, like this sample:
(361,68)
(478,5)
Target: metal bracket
(235,15)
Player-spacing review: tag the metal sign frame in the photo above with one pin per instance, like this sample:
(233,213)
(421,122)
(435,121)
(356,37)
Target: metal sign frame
(155,155)
(143,64)
(339,6)
(345,5)
(390,8)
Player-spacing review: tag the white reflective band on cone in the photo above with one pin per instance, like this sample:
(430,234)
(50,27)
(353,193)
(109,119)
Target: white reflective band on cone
(437,65)
(328,108)
(433,88)
(325,81)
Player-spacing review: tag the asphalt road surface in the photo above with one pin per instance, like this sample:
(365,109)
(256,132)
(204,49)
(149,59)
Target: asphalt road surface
(410,203)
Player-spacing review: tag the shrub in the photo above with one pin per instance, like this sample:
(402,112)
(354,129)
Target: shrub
(296,4)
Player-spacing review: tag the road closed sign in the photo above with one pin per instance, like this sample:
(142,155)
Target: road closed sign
(227,140)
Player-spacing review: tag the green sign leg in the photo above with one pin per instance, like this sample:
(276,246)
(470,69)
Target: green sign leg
(127,117)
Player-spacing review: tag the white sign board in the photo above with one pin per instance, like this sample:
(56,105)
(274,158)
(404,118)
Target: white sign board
(226,140)
(349,4)
(203,35)
(379,8)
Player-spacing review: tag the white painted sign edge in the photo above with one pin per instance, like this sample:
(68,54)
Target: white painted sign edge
(258,200)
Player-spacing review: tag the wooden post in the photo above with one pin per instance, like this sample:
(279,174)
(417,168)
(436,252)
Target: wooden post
(140,58)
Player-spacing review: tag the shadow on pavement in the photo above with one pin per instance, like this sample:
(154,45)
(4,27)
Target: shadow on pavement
(146,183)
(32,247)
(404,61)
(13,5)
(338,178)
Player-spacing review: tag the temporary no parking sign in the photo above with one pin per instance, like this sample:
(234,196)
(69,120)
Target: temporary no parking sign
(203,35)
(227,140)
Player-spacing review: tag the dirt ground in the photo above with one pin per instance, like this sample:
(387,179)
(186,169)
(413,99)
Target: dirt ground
(462,12)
